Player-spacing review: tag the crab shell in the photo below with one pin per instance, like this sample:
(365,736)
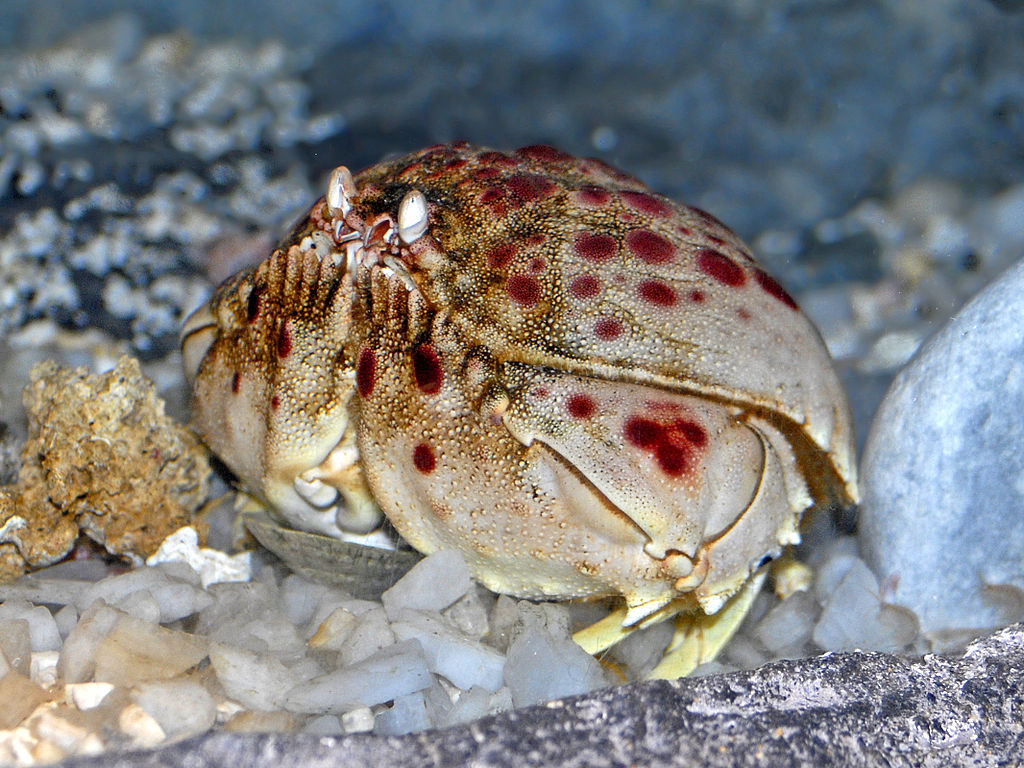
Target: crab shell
(586,388)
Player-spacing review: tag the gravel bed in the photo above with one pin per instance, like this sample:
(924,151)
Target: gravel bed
(140,164)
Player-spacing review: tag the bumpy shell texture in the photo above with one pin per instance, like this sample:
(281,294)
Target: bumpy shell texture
(586,388)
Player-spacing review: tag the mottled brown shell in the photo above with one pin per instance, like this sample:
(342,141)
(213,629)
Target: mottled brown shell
(586,388)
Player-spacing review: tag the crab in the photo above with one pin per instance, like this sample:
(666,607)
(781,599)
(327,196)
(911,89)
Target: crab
(587,389)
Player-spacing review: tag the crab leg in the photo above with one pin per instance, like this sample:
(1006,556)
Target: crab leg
(699,637)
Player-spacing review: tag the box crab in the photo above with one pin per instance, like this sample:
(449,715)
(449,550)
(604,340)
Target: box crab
(587,389)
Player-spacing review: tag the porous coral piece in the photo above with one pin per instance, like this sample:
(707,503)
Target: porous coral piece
(102,458)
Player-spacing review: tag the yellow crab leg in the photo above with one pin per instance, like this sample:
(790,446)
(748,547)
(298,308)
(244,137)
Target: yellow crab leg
(699,637)
(603,634)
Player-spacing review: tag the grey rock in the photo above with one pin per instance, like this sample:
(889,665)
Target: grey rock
(848,709)
(942,520)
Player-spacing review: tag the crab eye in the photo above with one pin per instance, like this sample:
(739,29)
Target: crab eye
(412,216)
(341,187)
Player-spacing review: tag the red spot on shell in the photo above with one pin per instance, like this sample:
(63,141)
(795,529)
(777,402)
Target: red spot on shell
(772,288)
(500,256)
(284,340)
(721,268)
(536,264)
(671,458)
(581,406)
(657,292)
(426,368)
(537,238)
(423,458)
(236,382)
(645,203)
(275,402)
(693,432)
(608,329)
(486,172)
(526,188)
(697,297)
(491,195)
(253,304)
(743,314)
(716,240)
(642,432)
(649,246)
(497,158)
(524,289)
(595,247)
(593,196)
(584,286)
(671,445)
(544,153)
(366,371)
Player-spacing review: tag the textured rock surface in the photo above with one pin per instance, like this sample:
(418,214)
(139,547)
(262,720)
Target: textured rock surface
(942,521)
(964,710)
(102,459)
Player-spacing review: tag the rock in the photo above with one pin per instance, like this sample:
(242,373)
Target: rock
(180,707)
(102,458)
(942,520)
(18,697)
(391,673)
(841,709)
(257,681)
(542,666)
(137,650)
(464,662)
(432,584)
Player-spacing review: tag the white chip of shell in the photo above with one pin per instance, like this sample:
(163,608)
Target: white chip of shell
(370,634)
(358,720)
(181,707)
(42,628)
(43,668)
(407,714)
(16,644)
(434,583)
(257,681)
(472,705)
(790,623)
(140,726)
(541,667)
(135,650)
(213,566)
(856,618)
(87,696)
(393,672)
(176,599)
(464,662)
(78,656)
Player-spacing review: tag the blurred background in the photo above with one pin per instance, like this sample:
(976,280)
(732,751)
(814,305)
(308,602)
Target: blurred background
(872,151)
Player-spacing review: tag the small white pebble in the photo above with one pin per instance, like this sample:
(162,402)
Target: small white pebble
(213,566)
(43,668)
(85,696)
(359,720)
(140,727)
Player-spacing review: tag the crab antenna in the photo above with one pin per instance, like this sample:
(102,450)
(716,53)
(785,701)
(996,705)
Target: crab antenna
(340,189)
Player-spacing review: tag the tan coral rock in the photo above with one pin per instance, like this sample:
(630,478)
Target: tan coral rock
(102,458)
